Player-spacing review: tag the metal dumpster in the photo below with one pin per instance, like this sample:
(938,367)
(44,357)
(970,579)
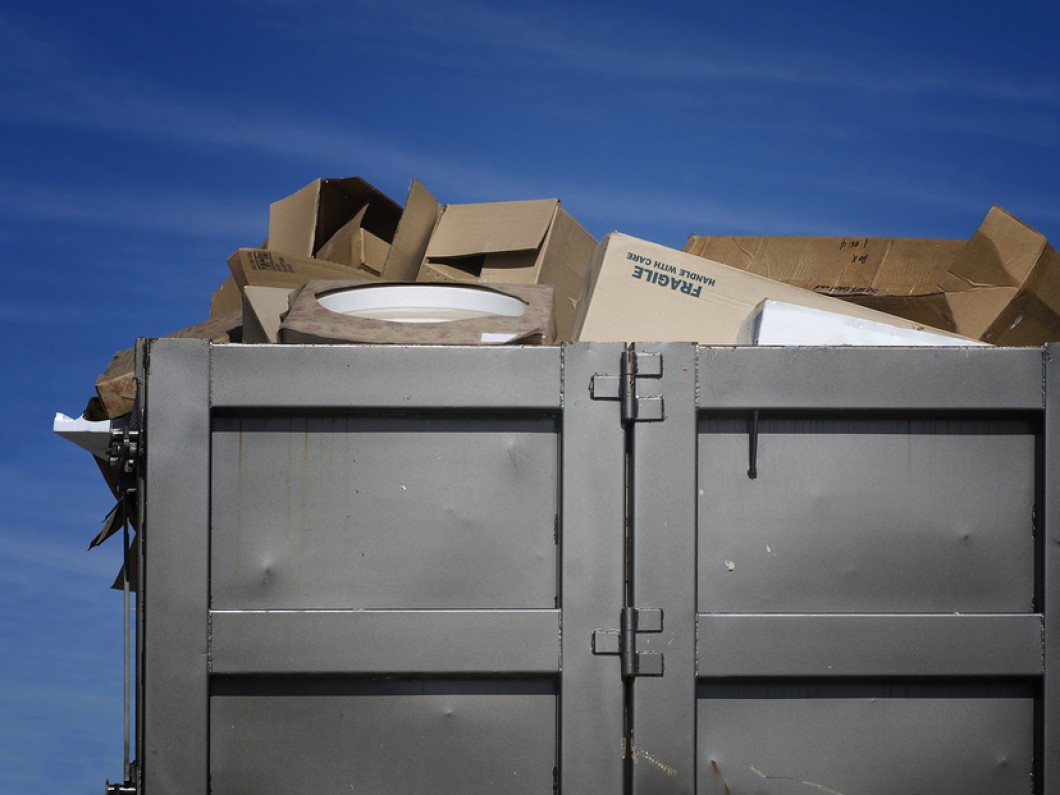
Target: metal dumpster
(598,568)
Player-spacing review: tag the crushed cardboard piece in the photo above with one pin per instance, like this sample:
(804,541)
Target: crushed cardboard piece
(1002,286)
(263,310)
(310,321)
(116,386)
(226,298)
(308,219)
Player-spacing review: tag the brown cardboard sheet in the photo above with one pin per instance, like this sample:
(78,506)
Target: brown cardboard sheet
(116,386)
(638,290)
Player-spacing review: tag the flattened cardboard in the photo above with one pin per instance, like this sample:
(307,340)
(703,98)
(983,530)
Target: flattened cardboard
(116,386)
(263,309)
(638,290)
(522,242)
(272,269)
(491,228)
(226,298)
(837,266)
(406,253)
(309,322)
(307,219)
(1002,286)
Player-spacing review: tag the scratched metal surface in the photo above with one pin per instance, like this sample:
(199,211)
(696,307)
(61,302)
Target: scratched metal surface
(383,737)
(361,586)
(872,739)
(384,512)
(862,514)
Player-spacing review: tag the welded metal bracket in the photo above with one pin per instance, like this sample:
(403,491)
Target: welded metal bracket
(623,641)
(623,387)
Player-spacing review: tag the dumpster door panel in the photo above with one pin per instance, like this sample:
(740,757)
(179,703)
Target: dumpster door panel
(396,584)
(861,532)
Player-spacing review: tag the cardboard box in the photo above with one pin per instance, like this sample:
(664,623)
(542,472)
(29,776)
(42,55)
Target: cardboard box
(638,290)
(518,242)
(409,313)
(341,220)
(1001,286)
(116,386)
(780,323)
(253,266)
(1004,286)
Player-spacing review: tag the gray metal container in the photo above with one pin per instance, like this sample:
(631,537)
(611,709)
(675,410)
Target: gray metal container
(598,569)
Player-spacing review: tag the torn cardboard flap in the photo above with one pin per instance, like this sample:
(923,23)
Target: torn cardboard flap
(307,219)
(263,311)
(355,311)
(116,386)
(409,246)
(1003,252)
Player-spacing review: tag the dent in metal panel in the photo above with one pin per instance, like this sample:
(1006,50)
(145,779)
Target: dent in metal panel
(780,740)
(405,737)
(384,512)
(866,515)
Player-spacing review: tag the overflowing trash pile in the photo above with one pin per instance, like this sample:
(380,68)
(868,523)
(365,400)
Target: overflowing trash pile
(344,263)
(526,272)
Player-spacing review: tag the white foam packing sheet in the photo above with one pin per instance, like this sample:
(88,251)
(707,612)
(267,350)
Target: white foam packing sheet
(93,436)
(780,323)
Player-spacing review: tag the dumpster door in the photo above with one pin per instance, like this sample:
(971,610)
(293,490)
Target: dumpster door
(840,555)
(379,570)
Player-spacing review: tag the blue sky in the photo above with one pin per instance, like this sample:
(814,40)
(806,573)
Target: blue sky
(142,143)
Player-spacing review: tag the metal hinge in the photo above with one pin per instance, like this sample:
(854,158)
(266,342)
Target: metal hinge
(623,641)
(623,387)
(123,453)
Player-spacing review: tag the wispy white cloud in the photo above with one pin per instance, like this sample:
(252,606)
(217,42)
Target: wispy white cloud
(645,48)
(143,208)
